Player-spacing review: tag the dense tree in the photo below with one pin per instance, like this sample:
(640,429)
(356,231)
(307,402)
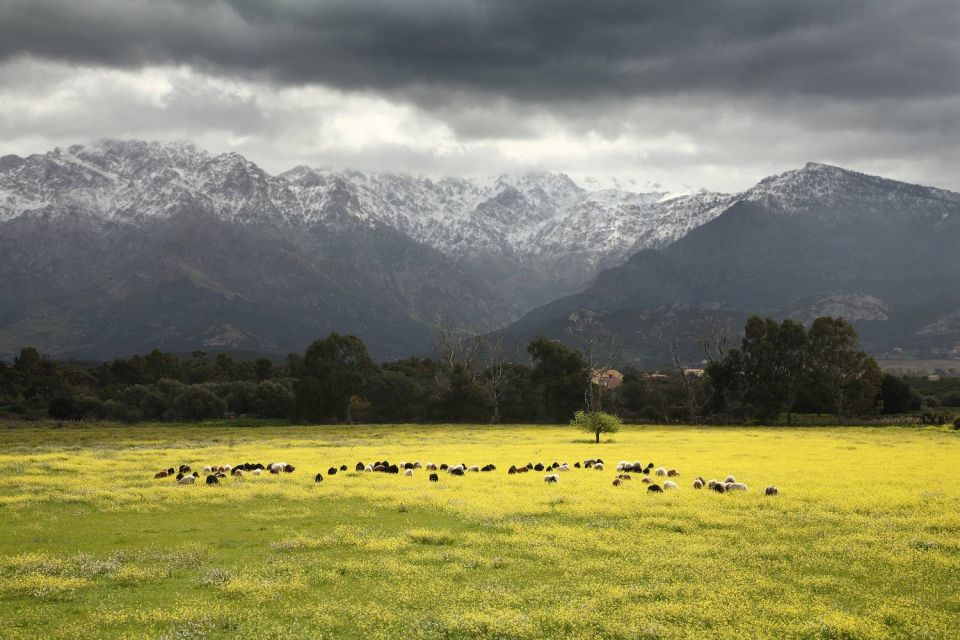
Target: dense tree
(896,396)
(341,369)
(195,402)
(562,378)
(843,378)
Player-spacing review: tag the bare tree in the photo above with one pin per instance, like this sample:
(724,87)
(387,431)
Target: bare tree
(480,354)
(669,340)
(598,345)
(714,336)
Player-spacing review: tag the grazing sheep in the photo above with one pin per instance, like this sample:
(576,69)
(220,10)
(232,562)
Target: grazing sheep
(184,468)
(456,471)
(645,471)
(160,474)
(343,467)
(408,472)
(735,486)
(434,477)
(576,465)
(588,464)
(712,483)
(523,470)
(698,484)
(670,484)
(538,467)
(332,471)
(771,490)
(564,467)
(718,487)
(368,468)
(256,472)
(461,468)
(654,488)
(276,465)
(179,475)
(407,465)
(598,466)
(379,468)
(661,471)
(417,465)
(617,482)
(187,480)
(474,469)
(212,480)
(444,467)
(512,470)
(623,476)
(394,469)
(289,468)
(274,472)
(730,479)
(360,467)
(431,466)
(646,480)
(207,469)
(672,473)
(489,467)
(318,477)
(622,465)
(237,472)
(551,478)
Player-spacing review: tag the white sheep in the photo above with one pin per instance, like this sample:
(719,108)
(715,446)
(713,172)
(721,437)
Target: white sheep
(256,472)
(368,468)
(564,467)
(670,484)
(661,471)
(187,480)
(730,479)
(474,469)
(208,469)
(598,466)
(735,486)
(623,464)
(408,473)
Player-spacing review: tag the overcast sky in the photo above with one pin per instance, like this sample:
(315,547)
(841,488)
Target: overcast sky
(707,93)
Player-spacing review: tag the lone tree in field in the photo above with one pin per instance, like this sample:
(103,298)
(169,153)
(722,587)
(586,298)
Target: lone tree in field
(596,422)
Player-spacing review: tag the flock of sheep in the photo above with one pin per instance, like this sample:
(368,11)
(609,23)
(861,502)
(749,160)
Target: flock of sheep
(213,473)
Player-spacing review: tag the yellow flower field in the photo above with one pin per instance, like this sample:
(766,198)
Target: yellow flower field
(862,542)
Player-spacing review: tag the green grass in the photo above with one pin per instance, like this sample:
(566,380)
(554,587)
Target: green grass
(863,542)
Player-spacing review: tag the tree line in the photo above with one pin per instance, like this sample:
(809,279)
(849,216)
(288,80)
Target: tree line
(777,370)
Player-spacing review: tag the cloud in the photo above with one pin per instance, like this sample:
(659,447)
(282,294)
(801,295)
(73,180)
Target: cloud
(706,93)
(536,50)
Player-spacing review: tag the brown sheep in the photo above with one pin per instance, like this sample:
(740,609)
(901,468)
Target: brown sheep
(617,482)
(672,473)
(698,484)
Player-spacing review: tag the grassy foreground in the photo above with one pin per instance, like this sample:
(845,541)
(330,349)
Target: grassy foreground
(863,542)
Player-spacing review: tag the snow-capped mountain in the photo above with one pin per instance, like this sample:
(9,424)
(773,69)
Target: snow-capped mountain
(120,246)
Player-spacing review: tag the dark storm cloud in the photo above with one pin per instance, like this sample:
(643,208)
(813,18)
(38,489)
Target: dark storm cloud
(529,51)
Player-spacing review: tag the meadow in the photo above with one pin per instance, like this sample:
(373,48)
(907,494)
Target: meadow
(862,542)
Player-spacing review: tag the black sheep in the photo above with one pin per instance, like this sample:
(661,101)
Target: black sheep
(393,469)
(343,467)
(655,488)
(408,465)
(456,471)
(576,465)
(332,471)
(434,477)
(318,477)
(538,467)
(444,466)
(512,470)
(360,466)
(212,480)
(719,488)
(289,469)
